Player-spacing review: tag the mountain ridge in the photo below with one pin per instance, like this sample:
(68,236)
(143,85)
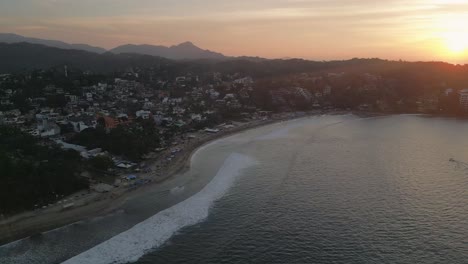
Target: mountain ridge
(22,57)
(11,38)
(183,51)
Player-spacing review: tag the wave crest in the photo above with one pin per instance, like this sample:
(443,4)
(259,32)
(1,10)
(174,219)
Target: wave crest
(132,244)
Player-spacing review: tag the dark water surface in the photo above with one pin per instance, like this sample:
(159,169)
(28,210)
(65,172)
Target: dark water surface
(330,189)
(363,191)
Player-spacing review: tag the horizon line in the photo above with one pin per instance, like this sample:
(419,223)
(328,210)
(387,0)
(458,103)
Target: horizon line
(228,56)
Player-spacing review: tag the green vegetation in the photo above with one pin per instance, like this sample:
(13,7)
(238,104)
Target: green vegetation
(131,141)
(101,163)
(33,174)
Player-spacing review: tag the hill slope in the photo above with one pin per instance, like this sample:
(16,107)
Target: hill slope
(13,38)
(24,56)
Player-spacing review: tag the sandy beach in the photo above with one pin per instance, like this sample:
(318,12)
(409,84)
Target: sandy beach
(93,204)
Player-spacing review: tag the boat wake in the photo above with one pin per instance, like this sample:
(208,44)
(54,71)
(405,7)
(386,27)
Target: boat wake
(132,244)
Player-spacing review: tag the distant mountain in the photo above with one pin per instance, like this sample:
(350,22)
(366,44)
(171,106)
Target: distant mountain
(183,51)
(25,56)
(13,38)
(20,57)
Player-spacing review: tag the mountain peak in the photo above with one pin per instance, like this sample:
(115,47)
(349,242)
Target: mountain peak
(182,51)
(186,44)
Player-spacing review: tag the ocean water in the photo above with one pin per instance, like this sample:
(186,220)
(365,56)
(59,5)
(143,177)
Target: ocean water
(324,189)
(153,232)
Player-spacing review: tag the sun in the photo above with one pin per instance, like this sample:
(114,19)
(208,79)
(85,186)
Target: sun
(453,33)
(457,43)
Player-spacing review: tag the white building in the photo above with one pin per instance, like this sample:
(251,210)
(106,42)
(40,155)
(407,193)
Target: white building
(448,91)
(464,99)
(197,117)
(229,96)
(148,105)
(79,126)
(244,81)
(143,114)
(214,94)
(51,130)
(303,93)
(72,98)
(327,90)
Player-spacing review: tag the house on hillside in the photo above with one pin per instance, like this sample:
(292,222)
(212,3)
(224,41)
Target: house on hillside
(143,114)
(83,122)
(463,99)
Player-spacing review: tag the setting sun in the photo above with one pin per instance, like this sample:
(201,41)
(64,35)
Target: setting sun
(454,34)
(456,43)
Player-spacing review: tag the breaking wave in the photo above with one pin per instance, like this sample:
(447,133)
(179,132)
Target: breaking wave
(177,190)
(132,244)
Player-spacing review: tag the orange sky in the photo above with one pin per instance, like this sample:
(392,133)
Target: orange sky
(313,29)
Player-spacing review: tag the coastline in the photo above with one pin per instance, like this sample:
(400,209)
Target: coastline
(29,224)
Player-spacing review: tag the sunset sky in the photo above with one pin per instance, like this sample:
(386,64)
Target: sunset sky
(313,29)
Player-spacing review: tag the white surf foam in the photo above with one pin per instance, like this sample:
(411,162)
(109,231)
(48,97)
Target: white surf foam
(177,190)
(132,244)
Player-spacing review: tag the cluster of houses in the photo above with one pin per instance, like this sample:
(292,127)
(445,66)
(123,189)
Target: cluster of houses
(181,102)
(186,100)
(324,91)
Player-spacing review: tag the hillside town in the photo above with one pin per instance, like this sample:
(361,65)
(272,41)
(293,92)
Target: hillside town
(187,101)
(128,127)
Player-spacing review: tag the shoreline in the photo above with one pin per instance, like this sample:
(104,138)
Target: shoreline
(27,224)
(31,223)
